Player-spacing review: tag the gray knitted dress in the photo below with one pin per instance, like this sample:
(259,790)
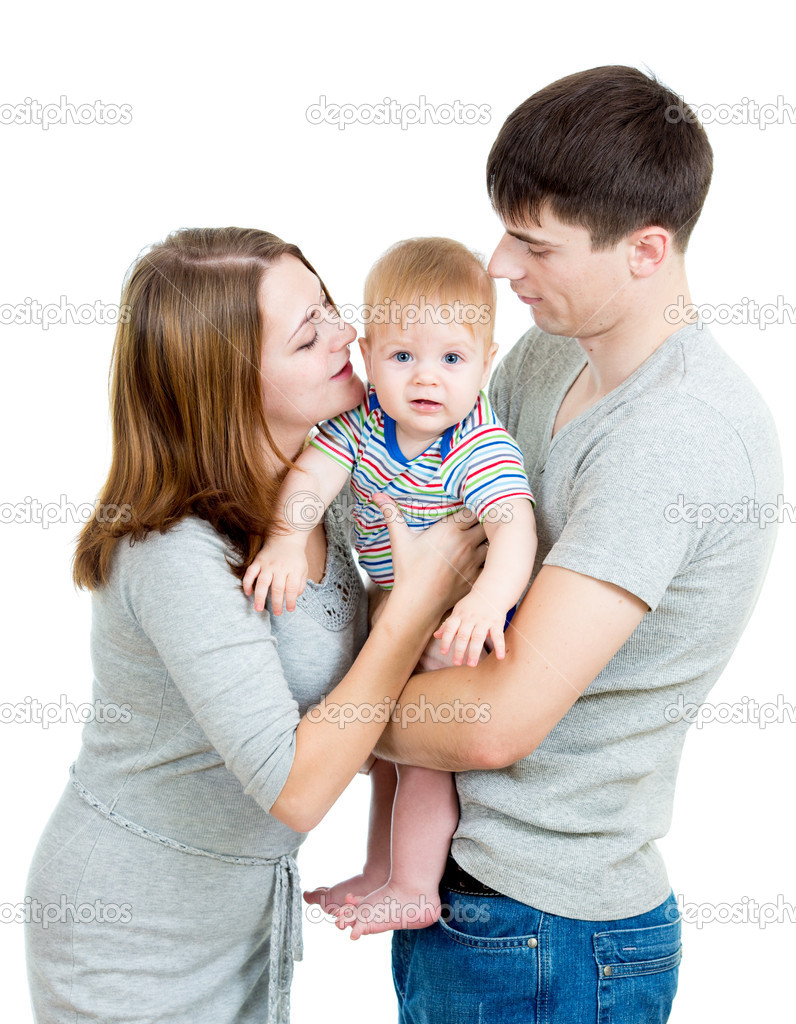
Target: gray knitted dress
(165,890)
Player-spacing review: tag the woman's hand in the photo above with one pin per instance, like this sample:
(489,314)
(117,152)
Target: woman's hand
(440,564)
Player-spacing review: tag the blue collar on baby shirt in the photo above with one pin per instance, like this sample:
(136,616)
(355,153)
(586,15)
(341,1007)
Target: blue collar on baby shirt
(392,441)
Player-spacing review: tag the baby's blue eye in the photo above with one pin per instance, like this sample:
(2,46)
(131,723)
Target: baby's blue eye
(402,357)
(451,358)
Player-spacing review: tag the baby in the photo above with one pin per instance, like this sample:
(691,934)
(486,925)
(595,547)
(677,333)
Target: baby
(427,436)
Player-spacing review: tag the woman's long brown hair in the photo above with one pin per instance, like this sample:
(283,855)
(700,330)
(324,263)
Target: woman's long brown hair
(189,428)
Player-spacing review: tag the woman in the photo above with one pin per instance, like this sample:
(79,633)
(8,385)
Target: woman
(170,857)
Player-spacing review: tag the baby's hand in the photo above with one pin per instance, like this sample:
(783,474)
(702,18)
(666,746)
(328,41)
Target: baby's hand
(280,565)
(432,657)
(472,619)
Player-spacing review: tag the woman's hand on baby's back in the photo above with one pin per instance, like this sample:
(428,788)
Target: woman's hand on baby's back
(440,563)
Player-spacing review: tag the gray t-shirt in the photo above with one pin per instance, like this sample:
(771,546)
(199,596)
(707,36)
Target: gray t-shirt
(215,689)
(570,829)
(211,693)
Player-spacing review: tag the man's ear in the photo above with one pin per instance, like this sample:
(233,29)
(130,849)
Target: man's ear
(364,348)
(490,358)
(648,250)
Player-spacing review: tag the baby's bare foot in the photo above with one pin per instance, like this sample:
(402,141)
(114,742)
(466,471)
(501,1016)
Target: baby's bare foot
(387,908)
(331,899)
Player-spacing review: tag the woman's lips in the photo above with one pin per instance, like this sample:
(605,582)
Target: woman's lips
(345,373)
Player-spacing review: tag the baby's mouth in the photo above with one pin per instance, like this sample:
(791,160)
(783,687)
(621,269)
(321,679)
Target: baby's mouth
(425,405)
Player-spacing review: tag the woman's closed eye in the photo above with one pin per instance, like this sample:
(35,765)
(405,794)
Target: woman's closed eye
(331,314)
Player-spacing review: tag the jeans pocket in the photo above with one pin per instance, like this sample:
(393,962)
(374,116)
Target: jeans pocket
(486,923)
(471,966)
(637,970)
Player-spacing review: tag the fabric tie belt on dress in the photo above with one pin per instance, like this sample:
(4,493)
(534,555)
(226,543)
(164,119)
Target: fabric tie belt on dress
(286,940)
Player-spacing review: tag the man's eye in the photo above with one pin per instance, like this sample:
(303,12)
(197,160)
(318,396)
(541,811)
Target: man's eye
(539,255)
(402,357)
(451,358)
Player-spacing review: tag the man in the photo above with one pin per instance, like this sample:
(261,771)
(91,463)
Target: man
(629,417)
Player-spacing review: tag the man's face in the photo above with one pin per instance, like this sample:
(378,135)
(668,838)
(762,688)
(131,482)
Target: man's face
(571,290)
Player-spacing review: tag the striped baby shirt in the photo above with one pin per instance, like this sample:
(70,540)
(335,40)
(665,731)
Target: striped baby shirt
(475,463)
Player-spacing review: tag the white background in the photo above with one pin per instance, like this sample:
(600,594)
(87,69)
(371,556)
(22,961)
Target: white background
(219,136)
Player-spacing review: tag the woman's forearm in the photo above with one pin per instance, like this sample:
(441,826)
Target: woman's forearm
(433,568)
(334,739)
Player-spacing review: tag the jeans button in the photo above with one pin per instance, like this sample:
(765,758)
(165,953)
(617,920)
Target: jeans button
(607,972)
(533,943)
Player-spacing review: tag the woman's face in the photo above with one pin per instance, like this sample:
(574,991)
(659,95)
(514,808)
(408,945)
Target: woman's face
(306,373)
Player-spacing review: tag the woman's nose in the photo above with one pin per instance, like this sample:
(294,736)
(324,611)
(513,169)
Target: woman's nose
(341,334)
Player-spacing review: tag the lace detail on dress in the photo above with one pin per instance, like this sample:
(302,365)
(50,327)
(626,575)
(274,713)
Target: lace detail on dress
(333,602)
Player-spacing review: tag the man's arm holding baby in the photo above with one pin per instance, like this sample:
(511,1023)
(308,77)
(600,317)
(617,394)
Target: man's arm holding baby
(564,633)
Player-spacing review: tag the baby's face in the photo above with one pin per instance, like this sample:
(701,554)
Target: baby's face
(427,376)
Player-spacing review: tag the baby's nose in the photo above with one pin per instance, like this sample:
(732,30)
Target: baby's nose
(426,375)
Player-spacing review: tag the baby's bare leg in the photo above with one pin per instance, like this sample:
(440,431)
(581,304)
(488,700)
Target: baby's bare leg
(425,815)
(377,863)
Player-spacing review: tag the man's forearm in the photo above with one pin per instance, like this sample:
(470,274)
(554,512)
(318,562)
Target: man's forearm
(442,720)
(564,633)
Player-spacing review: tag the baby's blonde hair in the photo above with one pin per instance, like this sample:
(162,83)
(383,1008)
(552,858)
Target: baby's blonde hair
(430,277)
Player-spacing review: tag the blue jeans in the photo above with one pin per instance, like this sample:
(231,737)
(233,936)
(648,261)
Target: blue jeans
(496,961)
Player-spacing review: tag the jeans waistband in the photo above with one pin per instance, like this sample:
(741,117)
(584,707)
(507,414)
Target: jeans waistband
(457,880)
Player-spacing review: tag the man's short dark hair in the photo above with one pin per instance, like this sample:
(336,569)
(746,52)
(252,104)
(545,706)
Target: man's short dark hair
(609,149)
